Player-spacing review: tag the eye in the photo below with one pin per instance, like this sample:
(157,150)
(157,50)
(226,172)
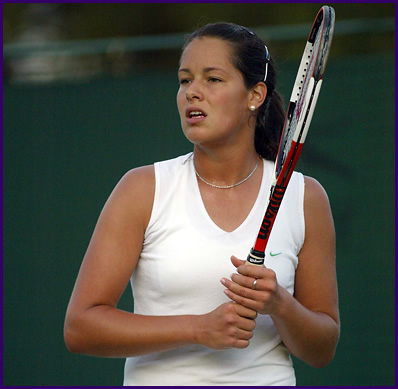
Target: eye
(214,79)
(183,81)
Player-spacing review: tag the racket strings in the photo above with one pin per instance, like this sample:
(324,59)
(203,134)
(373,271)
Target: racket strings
(301,95)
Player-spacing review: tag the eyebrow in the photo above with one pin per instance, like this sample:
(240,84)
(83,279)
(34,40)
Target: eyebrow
(205,70)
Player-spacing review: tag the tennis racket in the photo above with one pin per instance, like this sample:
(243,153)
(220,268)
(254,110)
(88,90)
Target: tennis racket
(297,121)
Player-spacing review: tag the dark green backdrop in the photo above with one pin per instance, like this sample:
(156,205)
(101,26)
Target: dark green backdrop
(66,146)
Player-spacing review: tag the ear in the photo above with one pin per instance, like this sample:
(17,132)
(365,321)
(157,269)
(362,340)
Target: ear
(257,95)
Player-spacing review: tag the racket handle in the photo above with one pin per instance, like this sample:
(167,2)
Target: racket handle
(255,257)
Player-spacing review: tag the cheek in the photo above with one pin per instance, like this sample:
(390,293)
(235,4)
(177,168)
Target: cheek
(232,111)
(180,101)
(231,103)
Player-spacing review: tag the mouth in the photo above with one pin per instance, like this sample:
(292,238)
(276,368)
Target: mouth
(194,113)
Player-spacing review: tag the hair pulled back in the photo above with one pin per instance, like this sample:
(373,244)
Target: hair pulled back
(249,57)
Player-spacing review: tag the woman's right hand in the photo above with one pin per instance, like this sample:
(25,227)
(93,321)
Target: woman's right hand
(229,326)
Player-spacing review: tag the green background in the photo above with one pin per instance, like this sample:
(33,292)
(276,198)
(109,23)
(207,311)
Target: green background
(67,144)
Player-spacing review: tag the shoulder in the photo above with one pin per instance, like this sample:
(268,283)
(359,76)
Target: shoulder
(141,182)
(139,177)
(137,182)
(317,209)
(134,193)
(315,193)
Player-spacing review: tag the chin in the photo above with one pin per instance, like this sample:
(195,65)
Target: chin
(194,134)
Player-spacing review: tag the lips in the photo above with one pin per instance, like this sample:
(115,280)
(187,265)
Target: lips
(194,115)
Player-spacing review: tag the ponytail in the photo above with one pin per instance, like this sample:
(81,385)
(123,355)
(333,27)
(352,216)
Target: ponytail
(269,125)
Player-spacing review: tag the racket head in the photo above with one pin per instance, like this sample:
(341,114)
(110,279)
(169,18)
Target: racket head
(311,70)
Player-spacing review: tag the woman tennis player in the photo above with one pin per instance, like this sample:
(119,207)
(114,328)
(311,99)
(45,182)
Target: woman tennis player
(180,231)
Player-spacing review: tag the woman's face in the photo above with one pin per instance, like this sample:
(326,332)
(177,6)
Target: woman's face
(212,100)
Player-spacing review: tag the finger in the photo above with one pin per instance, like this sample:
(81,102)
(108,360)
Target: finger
(244,301)
(247,270)
(240,343)
(245,281)
(247,325)
(244,334)
(256,272)
(251,271)
(236,261)
(244,291)
(245,312)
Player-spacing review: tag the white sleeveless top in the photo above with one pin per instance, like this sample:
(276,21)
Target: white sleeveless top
(184,256)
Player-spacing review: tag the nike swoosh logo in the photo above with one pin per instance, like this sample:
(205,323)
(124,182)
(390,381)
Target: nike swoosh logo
(274,254)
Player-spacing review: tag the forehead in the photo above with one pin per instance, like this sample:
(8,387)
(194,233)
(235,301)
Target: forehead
(205,50)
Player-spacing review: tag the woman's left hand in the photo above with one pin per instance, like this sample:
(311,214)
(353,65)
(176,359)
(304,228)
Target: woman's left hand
(266,294)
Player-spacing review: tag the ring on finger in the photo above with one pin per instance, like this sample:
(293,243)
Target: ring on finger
(254,284)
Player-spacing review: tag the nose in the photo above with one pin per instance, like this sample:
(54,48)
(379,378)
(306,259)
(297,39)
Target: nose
(193,92)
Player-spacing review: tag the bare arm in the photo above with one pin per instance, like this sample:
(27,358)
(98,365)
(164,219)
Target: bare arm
(308,323)
(95,326)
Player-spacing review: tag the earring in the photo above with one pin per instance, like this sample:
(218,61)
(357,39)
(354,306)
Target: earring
(252,108)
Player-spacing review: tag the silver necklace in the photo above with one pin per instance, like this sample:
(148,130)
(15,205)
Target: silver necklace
(226,186)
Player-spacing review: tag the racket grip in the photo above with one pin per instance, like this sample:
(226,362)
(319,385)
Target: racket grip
(255,257)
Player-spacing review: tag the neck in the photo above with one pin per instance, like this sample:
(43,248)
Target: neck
(225,169)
